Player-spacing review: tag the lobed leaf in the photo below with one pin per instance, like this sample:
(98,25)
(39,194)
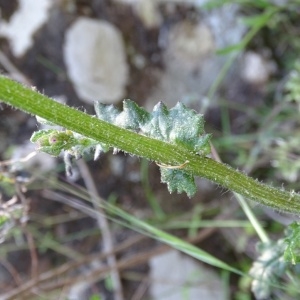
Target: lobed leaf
(178,180)
(132,117)
(178,126)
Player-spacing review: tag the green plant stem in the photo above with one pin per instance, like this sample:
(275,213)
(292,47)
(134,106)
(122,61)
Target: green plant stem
(164,153)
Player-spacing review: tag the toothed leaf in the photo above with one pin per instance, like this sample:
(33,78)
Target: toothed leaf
(178,180)
(105,112)
(179,125)
(132,116)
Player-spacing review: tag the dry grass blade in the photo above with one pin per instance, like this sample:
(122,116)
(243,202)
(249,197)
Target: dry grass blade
(108,244)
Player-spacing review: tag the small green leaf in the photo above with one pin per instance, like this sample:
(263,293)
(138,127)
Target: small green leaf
(41,134)
(53,141)
(178,180)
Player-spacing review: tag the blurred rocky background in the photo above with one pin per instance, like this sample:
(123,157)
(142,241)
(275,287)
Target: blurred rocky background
(81,51)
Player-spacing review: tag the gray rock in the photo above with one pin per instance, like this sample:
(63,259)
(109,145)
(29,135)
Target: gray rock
(96,62)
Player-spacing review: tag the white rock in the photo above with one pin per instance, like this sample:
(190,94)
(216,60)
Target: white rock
(189,43)
(172,273)
(148,12)
(190,69)
(30,16)
(256,70)
(225,25)
(96,62)
(44,162)
(191,66)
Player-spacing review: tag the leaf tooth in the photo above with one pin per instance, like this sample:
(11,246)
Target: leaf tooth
(161,107)
(106,112)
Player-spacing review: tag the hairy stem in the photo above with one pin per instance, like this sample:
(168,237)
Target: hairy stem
(164,153)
